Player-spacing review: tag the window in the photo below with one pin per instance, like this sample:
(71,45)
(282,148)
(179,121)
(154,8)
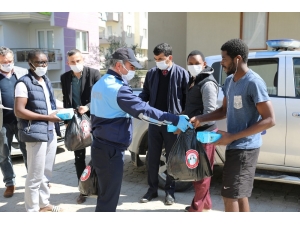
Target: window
(45,39)
(296,62)
(254,27)
(82,41)
(128,31)
(145,33)
(265,68)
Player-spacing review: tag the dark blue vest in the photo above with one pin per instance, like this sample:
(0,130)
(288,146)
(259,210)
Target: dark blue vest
(36,130)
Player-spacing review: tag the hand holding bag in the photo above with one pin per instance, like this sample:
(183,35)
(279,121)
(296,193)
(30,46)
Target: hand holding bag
(187,159)
(78,133)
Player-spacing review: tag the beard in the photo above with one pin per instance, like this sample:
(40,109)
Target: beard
(231,69)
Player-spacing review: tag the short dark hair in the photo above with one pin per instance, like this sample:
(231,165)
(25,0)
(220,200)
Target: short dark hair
(34,53)
(73,52)
(196,52)
(236,47)
(163,48)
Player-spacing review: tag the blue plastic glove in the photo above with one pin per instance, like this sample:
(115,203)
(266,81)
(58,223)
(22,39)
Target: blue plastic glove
(183,123)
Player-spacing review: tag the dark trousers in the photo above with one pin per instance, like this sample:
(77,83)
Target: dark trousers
(79,162)
(157,136)
(202,198)
(108,163)
(7,132)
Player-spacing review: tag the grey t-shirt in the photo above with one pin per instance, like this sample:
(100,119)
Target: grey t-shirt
(242,97)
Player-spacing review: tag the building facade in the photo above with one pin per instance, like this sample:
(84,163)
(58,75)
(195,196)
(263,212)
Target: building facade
(207,31)
(55,33)
(124,29)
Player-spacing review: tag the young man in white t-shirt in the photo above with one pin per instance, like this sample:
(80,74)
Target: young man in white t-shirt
(35,110)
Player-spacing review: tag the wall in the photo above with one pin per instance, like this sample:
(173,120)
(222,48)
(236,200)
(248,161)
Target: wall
(284,25)
(207,32)
(15,35)
(169,27)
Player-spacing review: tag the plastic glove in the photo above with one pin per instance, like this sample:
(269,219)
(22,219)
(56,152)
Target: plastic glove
(183,123)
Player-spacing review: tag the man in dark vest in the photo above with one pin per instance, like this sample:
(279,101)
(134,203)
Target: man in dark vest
(165,89)
(201,98)
(76,88)
(38,126)
(9,74)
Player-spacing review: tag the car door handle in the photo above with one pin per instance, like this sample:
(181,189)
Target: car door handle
(296,114)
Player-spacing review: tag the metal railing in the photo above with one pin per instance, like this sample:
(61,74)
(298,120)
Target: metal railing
(21,54)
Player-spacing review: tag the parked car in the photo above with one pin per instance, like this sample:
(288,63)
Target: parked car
(279,158)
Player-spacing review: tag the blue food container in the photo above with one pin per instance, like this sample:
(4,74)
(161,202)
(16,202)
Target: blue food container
(171,128)
(65,114)
(208,136)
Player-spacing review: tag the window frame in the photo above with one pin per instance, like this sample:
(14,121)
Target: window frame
(129,35)
(45,38)
(267,30)
(87,41)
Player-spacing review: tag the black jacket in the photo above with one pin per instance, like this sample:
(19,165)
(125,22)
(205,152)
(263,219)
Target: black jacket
(176,92)
(89,77)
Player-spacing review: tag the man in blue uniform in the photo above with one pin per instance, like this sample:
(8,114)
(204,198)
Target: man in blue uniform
(113,105)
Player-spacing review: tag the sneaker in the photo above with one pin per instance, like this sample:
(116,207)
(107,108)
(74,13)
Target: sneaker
(148,197)
(187,208)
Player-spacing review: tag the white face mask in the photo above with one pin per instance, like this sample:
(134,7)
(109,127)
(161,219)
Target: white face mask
(7,67)
(77,68)
(194,69)
(162,65)
(41,71)
(129,75)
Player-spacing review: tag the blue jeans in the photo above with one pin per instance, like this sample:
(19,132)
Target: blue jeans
(6,137)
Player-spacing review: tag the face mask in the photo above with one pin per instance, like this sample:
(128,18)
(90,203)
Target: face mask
(162,65)
(194,69)
(129,75)
(7,67)
(77,68)
(41,71)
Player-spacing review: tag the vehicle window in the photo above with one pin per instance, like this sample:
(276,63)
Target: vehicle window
(267,69)
(217,72)
(296,62)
